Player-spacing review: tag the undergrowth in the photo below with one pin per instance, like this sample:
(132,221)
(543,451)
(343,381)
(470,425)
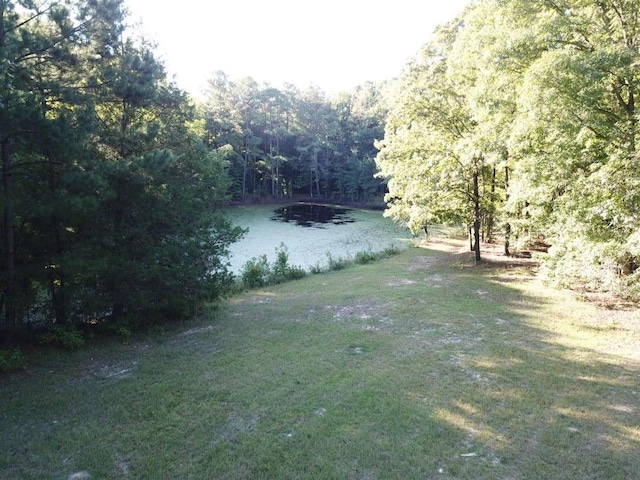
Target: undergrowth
(12,360)
(259,272)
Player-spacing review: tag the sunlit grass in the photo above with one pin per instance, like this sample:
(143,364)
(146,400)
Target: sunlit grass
(420,365)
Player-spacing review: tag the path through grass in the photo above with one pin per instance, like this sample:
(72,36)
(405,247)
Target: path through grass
(422,365)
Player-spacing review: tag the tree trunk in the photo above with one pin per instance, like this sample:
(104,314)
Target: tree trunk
(244,173)
(490,214)
(315,171)
(507,228)
(476,214)
(278,177)
(8,234)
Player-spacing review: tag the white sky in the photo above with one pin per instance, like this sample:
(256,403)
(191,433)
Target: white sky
(334,44)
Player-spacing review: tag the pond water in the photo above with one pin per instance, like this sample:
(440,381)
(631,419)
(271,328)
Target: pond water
(311,233)
(312,215)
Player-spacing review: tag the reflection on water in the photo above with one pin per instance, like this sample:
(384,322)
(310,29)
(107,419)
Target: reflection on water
(311,215)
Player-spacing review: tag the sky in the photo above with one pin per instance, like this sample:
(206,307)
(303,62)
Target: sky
(333,44)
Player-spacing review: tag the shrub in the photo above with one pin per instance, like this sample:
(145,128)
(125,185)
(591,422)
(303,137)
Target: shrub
(281,271)
(368,257)
(317,268)
(336,263)
(123,328)
(12,360)
(65,336)
(391,250)
(257,272)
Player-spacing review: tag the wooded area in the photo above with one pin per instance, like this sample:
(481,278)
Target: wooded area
(281,143)
(107,185)
(517,119)
(520,118)
(112,176)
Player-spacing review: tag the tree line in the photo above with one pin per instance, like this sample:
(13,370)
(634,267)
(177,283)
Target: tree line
(113,178)
(288,142)
(520,117)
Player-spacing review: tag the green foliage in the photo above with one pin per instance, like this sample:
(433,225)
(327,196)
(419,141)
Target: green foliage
(65,336)
(278,137)
(317,268)
(366,257)
(122,328)
(281,271)
(536,101)
(258,272)
(109,188)
(391,250)
(337,263)
(12,360)
(576,262)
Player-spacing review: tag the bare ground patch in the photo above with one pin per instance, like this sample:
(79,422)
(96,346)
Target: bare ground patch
(237,424)
(114,371)
(197,330)
(362,311)
(492,255)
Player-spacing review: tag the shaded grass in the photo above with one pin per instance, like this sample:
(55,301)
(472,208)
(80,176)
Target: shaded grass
(421,365)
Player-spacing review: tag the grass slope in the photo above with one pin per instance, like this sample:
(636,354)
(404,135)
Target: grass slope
(422,365)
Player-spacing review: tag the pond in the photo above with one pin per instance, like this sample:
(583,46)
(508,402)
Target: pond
(311,233)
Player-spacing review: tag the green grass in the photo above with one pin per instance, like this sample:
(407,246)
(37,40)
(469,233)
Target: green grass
(421,365)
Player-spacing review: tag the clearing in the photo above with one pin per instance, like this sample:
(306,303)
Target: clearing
(422,365)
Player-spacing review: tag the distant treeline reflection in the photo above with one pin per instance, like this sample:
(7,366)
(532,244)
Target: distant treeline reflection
(312,215)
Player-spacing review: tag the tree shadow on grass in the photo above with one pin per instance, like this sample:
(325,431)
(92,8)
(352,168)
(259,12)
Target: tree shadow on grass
(457,372)
(532,401)
(461,381)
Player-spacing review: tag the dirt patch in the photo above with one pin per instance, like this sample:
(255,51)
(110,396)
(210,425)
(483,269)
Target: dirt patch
(607,301)
(115,371)
(402,282)
(492,254)
(79,476)
(362,311)
(238,424)
(422,262)
(197,330)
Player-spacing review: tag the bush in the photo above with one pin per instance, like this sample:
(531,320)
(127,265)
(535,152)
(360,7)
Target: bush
(12,360)
(391,250)
(317,268)
(257,272)
(368,257)
(123,328)
(336,263)
(281,271)
(579,263)
(67,337)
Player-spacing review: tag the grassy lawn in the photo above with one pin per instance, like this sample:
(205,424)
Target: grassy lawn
(421,366)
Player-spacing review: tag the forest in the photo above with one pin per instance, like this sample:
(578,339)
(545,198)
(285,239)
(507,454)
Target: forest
(517,119)
(113,178)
